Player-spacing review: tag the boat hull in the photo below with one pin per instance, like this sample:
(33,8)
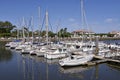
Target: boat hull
(55,56)
(75,61)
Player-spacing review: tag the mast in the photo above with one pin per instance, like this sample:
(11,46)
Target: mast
(32,25)
(39,23)
(82,17)
(27,30)
(46,24)
(18,32)
(23,29)
(57,30)
(84,21)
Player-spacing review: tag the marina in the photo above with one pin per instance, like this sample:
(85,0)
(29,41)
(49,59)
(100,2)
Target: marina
(61,42)
(28,67)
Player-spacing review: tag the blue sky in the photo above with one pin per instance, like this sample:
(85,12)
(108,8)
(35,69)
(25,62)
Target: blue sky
(102,15)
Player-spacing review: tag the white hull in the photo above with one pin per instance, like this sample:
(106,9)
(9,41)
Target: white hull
(40,54)
(7,45)
(32,52)
(76,60)
(55,56)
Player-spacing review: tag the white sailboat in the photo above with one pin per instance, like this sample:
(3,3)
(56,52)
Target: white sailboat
(76,60)
(58,53)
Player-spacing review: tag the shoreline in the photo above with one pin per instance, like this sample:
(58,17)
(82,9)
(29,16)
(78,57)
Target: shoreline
(72,39)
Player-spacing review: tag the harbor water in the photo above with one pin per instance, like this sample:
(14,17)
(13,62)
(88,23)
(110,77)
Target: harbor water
(16,66)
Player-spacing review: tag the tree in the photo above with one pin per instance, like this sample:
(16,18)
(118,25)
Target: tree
(51,34)
(5,28)
(63,33)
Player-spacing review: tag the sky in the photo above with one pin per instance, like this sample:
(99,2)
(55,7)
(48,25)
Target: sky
(102,16)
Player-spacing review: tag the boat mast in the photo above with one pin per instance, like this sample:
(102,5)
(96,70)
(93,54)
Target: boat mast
(46,24)
(84,21)
(32,25)
(23,29)
(82,17)
(18,31)
(39,23)
(27,30)
(57,31)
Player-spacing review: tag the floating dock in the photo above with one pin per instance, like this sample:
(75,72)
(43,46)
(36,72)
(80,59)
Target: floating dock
(102,60)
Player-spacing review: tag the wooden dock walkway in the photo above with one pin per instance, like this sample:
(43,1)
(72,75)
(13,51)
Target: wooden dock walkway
(102,60)
(96,62)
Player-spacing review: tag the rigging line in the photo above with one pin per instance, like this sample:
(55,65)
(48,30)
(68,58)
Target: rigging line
(87,26)
(27,29)
(82,18)
(42,23)
(29,23)
(18,28)
(19,23)
(85,19)
(50,25)
(58,27)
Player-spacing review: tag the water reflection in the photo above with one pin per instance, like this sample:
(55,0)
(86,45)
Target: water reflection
(27,67)
(31,67)
(74,71)
(98,72)
(39,68)
(117,67)
(5,54)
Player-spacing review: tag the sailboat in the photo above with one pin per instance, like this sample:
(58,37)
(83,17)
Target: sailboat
(58,53)
(75,60)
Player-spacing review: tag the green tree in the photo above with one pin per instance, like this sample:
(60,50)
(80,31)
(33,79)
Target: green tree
(64,33)
(51,34)
(5,28)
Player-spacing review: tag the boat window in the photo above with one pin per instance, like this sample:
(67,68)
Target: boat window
(94,46)
(64,49)
(60,50)
(72,57)
(80,58)
(77,47)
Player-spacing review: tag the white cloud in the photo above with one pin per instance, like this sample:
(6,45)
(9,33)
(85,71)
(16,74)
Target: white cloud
(71,19)
(110,20)
(75,25)
(118,25)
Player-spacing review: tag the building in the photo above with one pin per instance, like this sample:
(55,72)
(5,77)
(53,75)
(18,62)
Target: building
(113,32)
(116,33)
(78,33)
